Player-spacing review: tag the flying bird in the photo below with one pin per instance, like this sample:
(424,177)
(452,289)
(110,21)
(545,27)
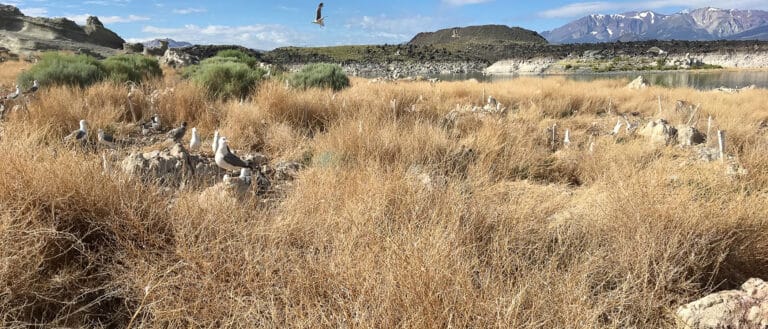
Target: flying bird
(178,133)
(80,134)
(226,160)
(319,19)
(194,142)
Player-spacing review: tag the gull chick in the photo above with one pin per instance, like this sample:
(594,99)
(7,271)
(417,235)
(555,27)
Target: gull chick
(178,133)
(105,138)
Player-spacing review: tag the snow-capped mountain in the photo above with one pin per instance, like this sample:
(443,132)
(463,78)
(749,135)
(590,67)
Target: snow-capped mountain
(171,43)
(700,24)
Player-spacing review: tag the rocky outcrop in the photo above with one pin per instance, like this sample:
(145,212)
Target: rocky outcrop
(99,35)
(689,136)
(168,165)
(659,131)
(521,66)
(639,83)
(173,57)
(22,34)
(743,308)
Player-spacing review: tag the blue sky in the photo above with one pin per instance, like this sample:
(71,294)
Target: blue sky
(270,24)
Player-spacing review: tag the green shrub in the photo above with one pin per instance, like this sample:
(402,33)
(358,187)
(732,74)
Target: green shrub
(320,75)
(63,69)
(136,68)
(225,79)
(238,55)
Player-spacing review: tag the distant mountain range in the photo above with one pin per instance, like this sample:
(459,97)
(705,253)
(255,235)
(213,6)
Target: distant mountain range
(171,43)
(702,24)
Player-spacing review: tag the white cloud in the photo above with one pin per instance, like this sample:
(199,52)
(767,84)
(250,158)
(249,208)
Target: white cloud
(81,19)
(35,12)
(393,29)
(255,36)
(603,7)
(107,2)
(464,2)
(187,11)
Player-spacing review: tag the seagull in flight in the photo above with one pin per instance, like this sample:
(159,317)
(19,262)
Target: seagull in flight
(319,19)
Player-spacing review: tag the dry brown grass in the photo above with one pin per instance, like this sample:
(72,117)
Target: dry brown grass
(511,234)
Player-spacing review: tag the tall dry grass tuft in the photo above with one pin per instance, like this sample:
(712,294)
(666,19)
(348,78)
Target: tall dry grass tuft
(311,110)
(403,217)
(69,231)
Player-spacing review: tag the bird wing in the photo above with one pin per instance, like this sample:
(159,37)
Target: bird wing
(319,12)
(234,160)
(108,138)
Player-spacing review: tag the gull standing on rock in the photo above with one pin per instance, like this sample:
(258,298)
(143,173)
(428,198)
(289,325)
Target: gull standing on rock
(14,94)
(226,160)
(215,141)
(105,138)
(80,134)
(153,125)
(194,142)
(32,89)
(178,133)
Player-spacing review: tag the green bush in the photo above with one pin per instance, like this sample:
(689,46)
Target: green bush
(136,68)
(56,68)
(320,75)
(238,55)
(63,69)
(225,79)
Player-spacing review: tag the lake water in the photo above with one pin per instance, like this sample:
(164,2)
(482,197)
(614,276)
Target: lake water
(702,80)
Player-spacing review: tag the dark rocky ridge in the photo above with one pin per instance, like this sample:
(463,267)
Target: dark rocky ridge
(489,53)
(477,35)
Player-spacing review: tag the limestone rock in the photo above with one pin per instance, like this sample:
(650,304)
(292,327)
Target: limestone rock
(287,170)
(689,136)
(225,194)
(157,51)
(744,308)
(133,47)
(255,159)
(659,131)
(169,165)
(24,35)
(100,35)
(639,83)
(176,58)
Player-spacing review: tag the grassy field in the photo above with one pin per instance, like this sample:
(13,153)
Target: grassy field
(400,220)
